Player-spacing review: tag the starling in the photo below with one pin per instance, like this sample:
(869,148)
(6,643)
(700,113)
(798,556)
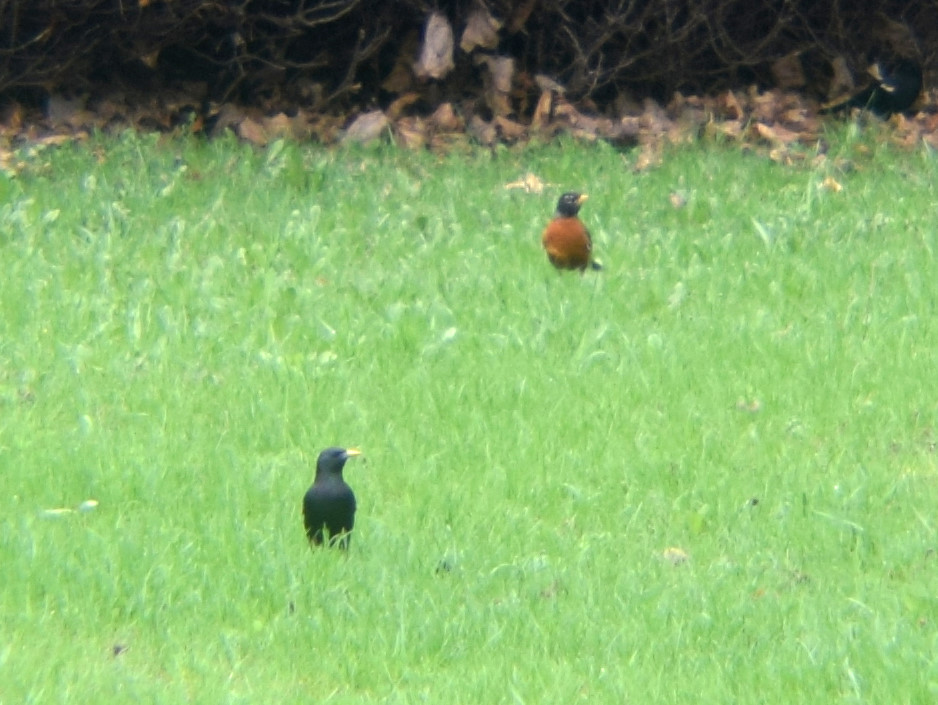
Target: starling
(329,505)
(896,86)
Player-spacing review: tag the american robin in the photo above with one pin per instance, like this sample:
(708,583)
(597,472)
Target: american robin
(566,239)
(896,86)
(330,503)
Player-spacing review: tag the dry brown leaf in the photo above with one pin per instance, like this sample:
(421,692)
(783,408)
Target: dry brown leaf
(367,127)
(542,111)
(279,125)
(648,157)
(436,55)
(831,184)
(252,131)
(501,70)
(399,105)
(775,134)
(781,155)
(907,137)
(724,128)
(55,140)
(12,119)
(929,122)
(510,129)
(729,107)
(546,83)
(751,406)
(581,124)
(763,106)
(325,128)
(678,200)
(150,59)
(482,131)
(411,132)
(798,118)
(931,139)
(675,555)
(481,30)
(529,182)
(448,142)
(445,118)
(8,163)
(630,126)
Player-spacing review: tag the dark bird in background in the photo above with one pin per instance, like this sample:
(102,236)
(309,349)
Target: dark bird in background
(566,239)
(896,86)
(329,504)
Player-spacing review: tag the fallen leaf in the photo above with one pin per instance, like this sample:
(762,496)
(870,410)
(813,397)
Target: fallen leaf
(279,125)
(752,406)
(776,134)
(831,184)
(678,200)
(529,182)
(57,512)
(481,30)
(367,127)
(546,83)
(411,132)
(648,157)
(252,131)
(675,555)
(731,129)
(436,56)
(542,111)
(399,105)
(445,118)
(729,107)
(510,129)
(482,131)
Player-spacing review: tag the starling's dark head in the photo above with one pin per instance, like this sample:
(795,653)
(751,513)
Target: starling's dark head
(569,204)
(332,460)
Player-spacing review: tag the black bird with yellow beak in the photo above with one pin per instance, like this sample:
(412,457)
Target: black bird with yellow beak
(329,504)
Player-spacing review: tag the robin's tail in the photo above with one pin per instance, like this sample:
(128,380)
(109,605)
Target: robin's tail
(595,265)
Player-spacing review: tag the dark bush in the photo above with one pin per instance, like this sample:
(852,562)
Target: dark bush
(340,53)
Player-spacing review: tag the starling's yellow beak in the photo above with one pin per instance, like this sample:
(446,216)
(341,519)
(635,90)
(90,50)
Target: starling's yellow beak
(582,199)
(352,452)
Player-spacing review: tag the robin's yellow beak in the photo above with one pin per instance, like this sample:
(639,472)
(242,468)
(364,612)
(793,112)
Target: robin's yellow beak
(582,199)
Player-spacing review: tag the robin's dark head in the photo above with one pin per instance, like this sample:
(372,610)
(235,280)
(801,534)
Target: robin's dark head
(569,204)
(332,460)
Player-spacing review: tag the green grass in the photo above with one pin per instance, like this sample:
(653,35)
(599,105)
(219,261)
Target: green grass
(752,380)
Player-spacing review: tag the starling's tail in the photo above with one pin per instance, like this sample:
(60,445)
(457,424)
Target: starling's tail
(860,100)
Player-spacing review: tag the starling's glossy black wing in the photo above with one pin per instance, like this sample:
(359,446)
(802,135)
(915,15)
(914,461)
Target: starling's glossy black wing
(329,507)
(895,89)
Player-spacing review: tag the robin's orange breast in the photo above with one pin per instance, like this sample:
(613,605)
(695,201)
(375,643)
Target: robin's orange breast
(568,243)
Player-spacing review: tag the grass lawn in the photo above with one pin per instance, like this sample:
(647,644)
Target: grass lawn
(706,474)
